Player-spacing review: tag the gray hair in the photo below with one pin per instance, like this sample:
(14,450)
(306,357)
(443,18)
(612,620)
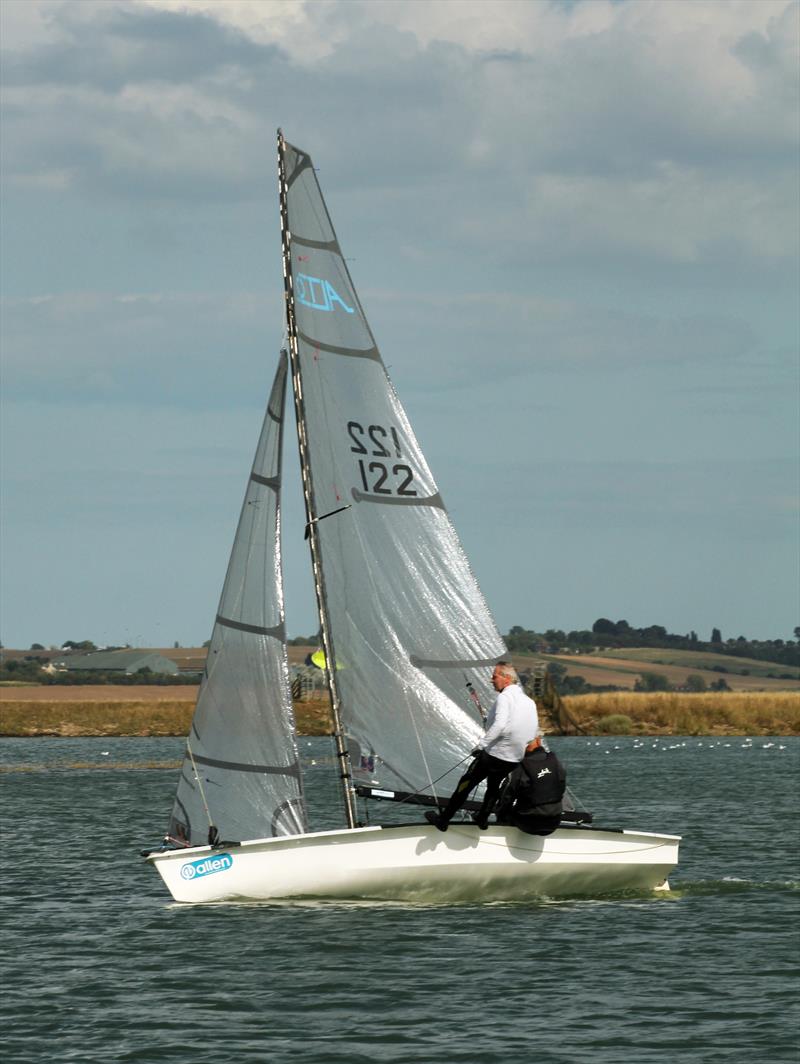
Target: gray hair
(505,669)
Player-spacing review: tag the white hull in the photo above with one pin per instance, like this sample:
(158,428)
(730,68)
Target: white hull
(415,862)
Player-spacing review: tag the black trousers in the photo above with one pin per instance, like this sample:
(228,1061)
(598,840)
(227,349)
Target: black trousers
(484,767)
(530,823)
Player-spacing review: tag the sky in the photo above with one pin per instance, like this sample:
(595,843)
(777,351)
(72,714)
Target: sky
(574,228)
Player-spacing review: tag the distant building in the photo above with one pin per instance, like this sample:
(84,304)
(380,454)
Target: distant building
(188,661)
(126,662)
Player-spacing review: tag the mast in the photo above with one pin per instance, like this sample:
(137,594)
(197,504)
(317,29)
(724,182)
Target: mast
(343,755)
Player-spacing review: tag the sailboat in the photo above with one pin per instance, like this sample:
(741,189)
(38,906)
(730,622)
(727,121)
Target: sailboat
(408,645)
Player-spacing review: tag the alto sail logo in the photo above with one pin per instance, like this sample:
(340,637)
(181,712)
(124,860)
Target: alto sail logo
(317,293)
(206,866)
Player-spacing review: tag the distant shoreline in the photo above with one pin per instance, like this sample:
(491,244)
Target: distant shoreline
(83,712)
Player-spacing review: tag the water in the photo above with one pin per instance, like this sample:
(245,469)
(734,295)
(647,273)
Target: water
(101,967)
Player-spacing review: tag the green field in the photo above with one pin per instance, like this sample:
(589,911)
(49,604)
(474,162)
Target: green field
(693,659)
(623,668)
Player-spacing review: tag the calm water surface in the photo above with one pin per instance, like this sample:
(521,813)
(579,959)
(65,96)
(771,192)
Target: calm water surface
(100,966)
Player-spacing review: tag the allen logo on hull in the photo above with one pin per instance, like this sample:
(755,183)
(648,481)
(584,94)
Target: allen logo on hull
(207,866)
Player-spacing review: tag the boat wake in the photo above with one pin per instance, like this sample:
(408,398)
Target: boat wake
(729,885)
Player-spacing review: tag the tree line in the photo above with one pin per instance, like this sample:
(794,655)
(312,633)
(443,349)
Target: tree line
(607,634)
(604,634)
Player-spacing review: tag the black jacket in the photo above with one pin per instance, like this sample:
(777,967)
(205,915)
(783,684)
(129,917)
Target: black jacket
(535,787)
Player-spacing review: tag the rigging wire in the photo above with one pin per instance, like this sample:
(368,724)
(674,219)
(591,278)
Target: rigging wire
(432,782)
(200,785)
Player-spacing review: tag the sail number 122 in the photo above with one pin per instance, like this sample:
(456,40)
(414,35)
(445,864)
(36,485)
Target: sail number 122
(379,477)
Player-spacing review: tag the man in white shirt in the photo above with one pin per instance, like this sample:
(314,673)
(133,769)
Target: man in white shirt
(512,723)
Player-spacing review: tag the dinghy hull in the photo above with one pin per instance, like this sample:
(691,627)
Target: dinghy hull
(415,862)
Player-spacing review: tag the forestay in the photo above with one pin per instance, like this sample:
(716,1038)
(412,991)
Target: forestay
(408,625)
(242,742)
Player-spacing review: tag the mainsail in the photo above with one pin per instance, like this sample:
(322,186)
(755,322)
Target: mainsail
(408,627)
(241,771)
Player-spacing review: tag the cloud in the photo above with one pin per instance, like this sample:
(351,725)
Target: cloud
(139,46)
(510,332)
(207,350)
(179,350)
(574,230)
(132,102)
(653,131)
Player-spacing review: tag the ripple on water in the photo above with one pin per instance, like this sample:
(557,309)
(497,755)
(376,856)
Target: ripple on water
(102,967)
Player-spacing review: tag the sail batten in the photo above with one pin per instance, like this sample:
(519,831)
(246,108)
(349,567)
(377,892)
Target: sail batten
(333,349)
(461,663)
(320,245)
(238,766)
(303,163)
(276,632)
(268,482)
(390,500)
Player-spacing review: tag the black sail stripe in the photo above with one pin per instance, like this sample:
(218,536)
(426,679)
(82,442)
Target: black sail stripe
(400,500)
(303,163)
(319,245)
(276,632)
(237,766)
(466,663)
(270,482)
(276,415)
(350,352)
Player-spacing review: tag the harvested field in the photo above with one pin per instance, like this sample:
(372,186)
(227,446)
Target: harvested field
(112,711)
(624,672)
(107,692)
(119,710)
(679,713)
(65,718)
(700,660)
(187,658)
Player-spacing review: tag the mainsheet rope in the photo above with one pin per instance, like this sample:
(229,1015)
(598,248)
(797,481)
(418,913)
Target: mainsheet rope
(432,782)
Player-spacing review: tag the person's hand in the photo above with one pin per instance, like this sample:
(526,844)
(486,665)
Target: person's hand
(476,752)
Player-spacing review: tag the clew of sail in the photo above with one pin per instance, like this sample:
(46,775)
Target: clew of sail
(241,770)
(408,625)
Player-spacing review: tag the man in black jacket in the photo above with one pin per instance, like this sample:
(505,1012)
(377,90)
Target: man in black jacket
(531,799)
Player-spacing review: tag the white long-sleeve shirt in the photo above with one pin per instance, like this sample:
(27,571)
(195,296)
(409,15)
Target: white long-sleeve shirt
(511,724)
